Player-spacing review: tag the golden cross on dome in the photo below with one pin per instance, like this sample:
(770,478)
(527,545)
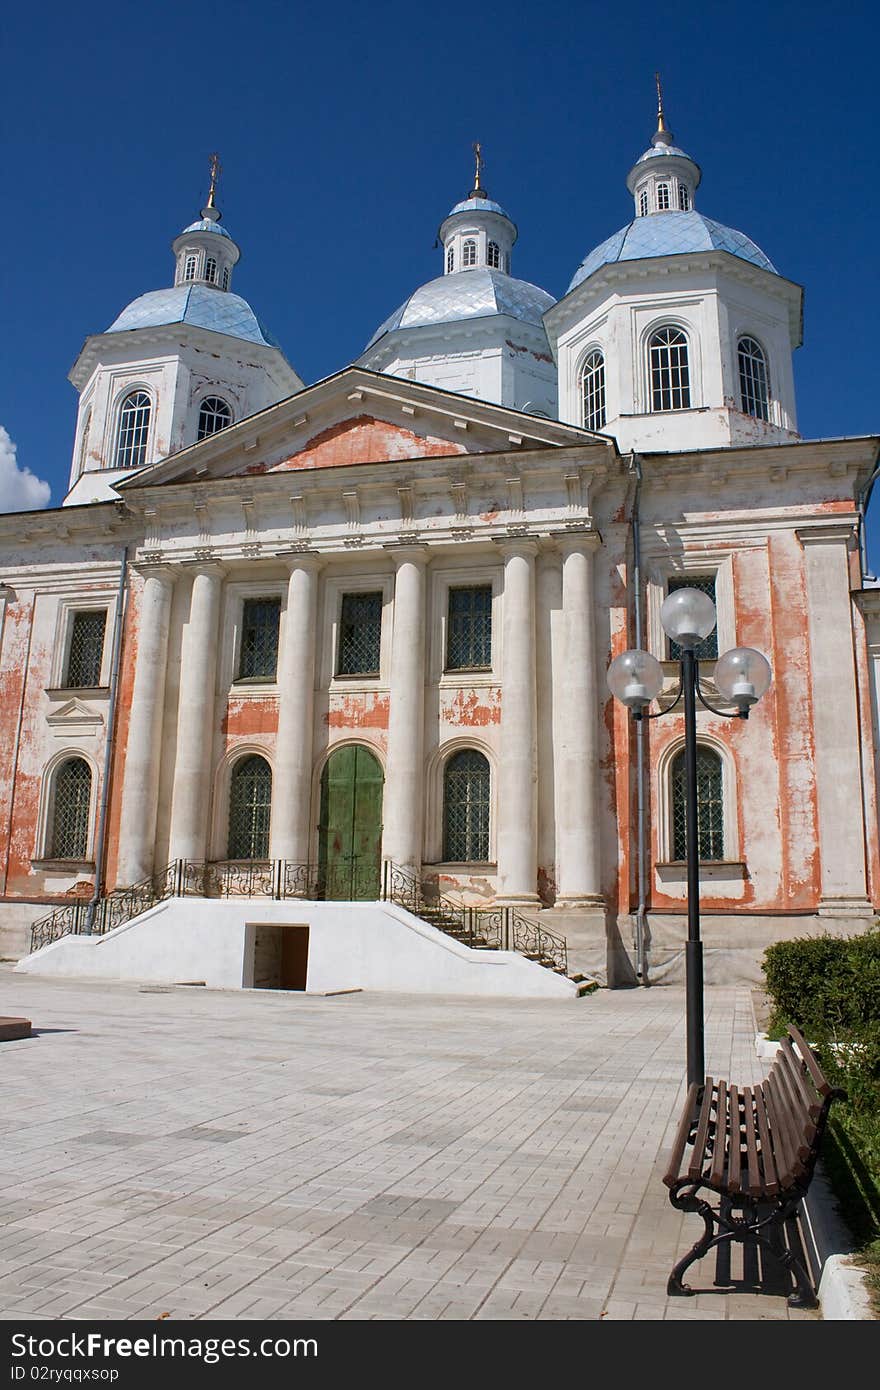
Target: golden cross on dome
(661,122)
(478,191)
(216,170)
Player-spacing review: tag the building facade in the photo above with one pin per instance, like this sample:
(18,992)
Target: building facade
(366,622)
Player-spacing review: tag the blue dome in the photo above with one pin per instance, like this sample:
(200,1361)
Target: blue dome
(657,151)
(215,310)
(479,205)
(670,234)
(204,224)
(469,294)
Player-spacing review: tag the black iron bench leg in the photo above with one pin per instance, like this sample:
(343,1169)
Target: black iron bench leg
(674,1286)
(774,1241)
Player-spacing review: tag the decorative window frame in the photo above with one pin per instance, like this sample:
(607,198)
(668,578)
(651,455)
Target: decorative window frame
(663,800)
(435,769)
(470,243)
(334,588)
(42,856)
(583,356)
(119,399)
(191,253)
(772,412)
(491,574)
(230,643)
(219,819)
(695,562)
(67,610)
(208,393)
(671,318)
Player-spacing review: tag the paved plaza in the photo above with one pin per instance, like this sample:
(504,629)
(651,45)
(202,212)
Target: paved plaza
(266,1155)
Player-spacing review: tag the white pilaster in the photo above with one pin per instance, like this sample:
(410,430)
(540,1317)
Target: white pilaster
(835,720)
(190,802)
(140,789)
(577,757)
(518,775)
(402,808)
(292,783)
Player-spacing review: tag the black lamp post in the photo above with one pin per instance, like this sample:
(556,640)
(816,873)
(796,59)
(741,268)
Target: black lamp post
(742,676)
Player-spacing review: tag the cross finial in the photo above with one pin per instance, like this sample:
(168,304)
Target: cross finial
(216,170)
(478,191)
(662,135)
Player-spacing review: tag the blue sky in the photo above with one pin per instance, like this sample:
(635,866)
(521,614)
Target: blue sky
(345,133)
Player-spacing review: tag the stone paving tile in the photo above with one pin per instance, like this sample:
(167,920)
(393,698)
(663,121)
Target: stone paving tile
(258,1155)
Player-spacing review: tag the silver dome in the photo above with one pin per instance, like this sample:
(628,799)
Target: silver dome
(468,294)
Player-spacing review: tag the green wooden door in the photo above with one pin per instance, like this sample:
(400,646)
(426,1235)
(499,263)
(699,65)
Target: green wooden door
(350,828)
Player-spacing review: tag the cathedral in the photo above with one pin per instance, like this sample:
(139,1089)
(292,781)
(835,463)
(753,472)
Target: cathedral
(305,685)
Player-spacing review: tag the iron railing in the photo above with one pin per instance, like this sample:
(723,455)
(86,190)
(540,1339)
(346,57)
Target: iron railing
(483,928)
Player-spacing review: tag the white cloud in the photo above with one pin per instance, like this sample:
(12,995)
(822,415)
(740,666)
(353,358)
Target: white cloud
(20,489)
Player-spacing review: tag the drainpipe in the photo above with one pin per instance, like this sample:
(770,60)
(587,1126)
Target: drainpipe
(641,931)
(864,499)
(16,744)
(101,831)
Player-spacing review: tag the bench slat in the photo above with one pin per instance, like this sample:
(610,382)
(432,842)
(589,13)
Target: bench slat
(687,1121)
(801,1128)
(719,1151)
(754,1178)
(823,1086)
(695,1167)
(792,1066)
(784,1139)
(771,1179)
(734,1141)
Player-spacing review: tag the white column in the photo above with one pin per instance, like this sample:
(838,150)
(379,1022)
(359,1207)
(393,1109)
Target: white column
(518,772)
(292,782)
(191,799)
(577,756)
(140,789)
(404,776)
(835,720)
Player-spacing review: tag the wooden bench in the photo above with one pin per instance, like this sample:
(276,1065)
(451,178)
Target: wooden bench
(756,1148)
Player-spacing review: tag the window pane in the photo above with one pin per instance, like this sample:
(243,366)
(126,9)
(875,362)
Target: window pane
(753,379)
(70,811)
(594,391)
(466,809)
(134,428)
(707,649)
(250,809)
(493,254)
(469,253)
(360,633)
(469,634)
(259,639)
(710,806)
(450,259)
(214,415)
(663,196)
(684,198)
(86,649)
(670,377)
(210,270)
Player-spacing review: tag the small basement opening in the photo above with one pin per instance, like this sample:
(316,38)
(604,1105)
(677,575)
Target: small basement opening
(281,955)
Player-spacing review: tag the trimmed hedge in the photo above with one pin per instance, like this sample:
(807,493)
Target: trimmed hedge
(830,987)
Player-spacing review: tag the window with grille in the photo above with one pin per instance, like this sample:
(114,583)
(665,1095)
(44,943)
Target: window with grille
(210,270)
(214,415)
(670,373)
(754,380)
(226,277)
(663,197)
(71,803)
(710,805)
(684,198)
(643,203)
(258,654)
(707,648)
(450,259)
(134,430)
(493,255)
(469,629)
(469,253)
(466,794)
(250,809)
(190,267)
(360,635)
(86,650)
(593,386)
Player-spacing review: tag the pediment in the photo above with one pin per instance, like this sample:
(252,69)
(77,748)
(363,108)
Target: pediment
(75,716)
(361,417)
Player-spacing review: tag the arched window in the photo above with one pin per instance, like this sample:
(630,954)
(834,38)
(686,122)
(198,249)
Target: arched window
(593,387)
(190,267)
(469,253)
(134,429)
(71,803)
(84,440)
(450,259)
(250,809)
(214,415)
(466,808)
(226,277)
(493,255)
(684,198)
(710,805)
(210,270)
(668,365)
(643,203)
(663,197)
(754,380)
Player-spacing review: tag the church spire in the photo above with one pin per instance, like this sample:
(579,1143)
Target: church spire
(662,135)
(209,211)
(478,191)
(664,179)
